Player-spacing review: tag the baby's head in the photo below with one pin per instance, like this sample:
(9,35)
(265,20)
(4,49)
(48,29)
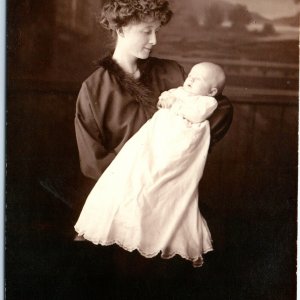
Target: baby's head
(205,79)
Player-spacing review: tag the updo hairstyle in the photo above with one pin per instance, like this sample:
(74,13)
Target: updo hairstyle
(118,13)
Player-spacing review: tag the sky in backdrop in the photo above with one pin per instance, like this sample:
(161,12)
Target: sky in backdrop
(271,8)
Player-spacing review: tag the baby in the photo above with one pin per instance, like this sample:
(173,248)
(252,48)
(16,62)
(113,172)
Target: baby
(154,208)
(205,79)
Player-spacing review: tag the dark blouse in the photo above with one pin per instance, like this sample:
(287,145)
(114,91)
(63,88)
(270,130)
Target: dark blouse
(112,106)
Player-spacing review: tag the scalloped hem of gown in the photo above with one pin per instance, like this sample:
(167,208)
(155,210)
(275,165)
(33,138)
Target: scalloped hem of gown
(197,261)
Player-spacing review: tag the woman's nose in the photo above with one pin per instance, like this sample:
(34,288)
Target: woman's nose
(153,39)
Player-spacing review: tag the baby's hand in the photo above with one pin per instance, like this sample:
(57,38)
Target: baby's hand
(166,100)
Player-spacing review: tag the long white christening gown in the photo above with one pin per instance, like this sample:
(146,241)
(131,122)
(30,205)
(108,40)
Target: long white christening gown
(147,199)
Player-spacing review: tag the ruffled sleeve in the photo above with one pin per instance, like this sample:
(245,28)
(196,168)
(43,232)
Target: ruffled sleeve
(195,109)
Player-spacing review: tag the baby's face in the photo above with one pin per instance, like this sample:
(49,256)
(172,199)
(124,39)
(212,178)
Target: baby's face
(197,82)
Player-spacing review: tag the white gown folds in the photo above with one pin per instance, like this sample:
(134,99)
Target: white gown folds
(147,199)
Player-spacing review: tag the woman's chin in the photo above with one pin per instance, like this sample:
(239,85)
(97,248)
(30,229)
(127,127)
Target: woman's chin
(145,54)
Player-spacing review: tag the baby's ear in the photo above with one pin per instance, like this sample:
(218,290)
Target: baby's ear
(213,92)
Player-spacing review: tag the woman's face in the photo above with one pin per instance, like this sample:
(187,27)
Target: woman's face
(139,38)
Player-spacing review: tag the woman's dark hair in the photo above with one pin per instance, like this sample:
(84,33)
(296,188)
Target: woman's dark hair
(118,13)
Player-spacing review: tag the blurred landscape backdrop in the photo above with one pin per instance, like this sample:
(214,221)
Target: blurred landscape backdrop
(249,190)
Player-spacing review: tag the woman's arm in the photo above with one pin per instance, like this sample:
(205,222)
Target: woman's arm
(220,120)
(93,156)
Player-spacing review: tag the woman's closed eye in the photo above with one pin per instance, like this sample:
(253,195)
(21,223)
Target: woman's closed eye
(149,32)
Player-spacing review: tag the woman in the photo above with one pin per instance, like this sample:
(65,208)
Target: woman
(121,95)
(155,210)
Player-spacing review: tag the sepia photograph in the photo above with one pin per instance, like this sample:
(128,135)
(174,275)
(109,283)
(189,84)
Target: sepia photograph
(151,149)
